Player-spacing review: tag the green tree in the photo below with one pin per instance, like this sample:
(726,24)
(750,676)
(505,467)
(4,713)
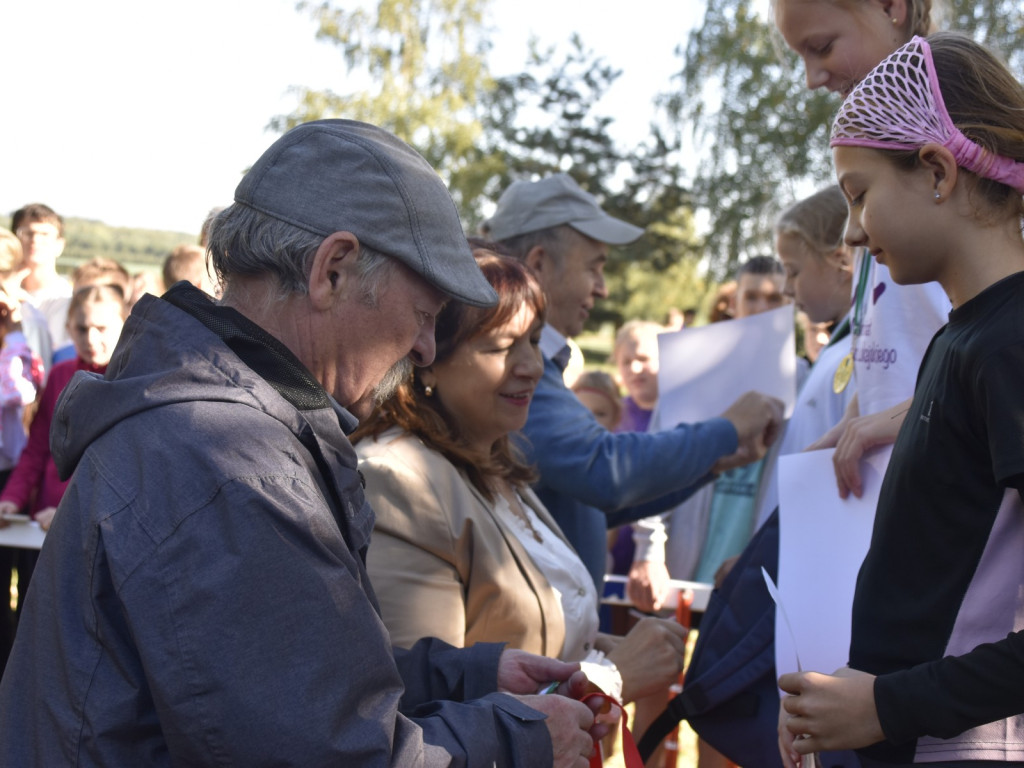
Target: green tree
(762,136)
(424,77)
(422,68)
(546,120)
(757,129)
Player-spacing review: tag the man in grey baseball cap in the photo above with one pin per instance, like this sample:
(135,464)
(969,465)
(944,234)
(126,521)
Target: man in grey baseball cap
(202,597)
(591,478)
(528,206)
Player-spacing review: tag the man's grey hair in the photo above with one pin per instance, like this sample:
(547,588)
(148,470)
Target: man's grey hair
(245,242)
(554,239)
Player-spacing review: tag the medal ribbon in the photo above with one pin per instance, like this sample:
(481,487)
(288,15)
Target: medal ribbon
(862,287)
(630,754)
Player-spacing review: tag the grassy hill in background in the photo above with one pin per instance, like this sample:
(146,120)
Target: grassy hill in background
(139,250)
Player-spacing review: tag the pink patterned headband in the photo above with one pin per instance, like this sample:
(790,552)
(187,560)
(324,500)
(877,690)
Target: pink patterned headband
(899,106)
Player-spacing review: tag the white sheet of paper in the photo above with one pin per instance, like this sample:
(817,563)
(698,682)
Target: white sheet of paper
(704,370)
(822,542)
(781,617)
(22,535)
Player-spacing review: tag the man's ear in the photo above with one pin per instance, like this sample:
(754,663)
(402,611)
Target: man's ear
(332,269)
(942,168)
(536,259)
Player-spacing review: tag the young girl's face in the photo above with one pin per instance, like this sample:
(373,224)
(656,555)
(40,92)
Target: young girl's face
(637,362)
(94,330)
(819,283)
(601,406)
(840,41)
(893,213)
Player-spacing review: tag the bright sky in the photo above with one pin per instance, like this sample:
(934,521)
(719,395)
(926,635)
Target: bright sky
(144,115)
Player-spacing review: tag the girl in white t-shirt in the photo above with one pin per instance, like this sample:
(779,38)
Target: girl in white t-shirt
(808,241)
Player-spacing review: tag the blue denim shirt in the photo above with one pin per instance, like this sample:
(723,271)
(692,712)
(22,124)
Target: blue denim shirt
(592,479)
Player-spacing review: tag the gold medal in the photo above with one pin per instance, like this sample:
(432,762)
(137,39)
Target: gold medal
(843,374)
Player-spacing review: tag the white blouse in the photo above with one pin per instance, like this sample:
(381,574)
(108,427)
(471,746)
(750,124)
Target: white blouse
(564,571)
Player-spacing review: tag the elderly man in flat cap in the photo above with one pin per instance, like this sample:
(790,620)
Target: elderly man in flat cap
(202,597)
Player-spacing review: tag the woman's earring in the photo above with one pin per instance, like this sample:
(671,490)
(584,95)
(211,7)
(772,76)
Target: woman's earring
(428,390)
(938,195)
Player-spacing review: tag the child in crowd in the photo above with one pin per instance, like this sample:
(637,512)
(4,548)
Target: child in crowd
(808,239)
(102,271)
(598,391)
(929,152)
(96,271)
(635,355)
(21,371)
(188,262)
(95,318)
(41,232)
(21,377)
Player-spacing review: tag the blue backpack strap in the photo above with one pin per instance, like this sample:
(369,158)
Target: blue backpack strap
(733,666)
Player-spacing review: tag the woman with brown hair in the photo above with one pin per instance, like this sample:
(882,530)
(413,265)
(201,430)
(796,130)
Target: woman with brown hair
(462,549)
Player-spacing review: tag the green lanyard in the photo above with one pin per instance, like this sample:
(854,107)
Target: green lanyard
(839,333)
(862,286)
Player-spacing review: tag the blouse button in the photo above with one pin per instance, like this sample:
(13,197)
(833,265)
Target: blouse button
(581,592)
(586,646)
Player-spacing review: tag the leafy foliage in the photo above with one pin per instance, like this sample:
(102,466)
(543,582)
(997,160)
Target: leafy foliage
(762,137)
(544,120)
(997,24)
(420,69)
(482,133)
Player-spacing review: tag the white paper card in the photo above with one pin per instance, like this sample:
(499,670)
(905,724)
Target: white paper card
(22,535)
(822,542)
(704,370)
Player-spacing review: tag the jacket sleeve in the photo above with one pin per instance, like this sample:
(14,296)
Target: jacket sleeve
(432,669)
(611,471)
(946,697)
(426,596)
(260,645)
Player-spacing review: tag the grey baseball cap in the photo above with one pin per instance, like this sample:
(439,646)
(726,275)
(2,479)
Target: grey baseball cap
(527,206)
(331,176)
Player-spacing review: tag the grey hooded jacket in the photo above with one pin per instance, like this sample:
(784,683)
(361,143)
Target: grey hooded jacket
(201,598)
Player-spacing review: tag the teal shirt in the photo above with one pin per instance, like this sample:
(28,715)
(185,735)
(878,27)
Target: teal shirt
(731,520)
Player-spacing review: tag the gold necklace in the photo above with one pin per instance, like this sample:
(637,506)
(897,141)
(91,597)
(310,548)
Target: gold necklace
(514,503)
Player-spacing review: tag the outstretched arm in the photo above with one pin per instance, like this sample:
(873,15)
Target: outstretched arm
(580,458)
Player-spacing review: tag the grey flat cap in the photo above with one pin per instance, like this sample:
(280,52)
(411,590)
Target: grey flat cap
(331,176)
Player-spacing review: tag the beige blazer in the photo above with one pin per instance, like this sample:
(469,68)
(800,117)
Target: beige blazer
(441,562)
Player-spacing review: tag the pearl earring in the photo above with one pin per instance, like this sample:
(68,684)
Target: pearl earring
(895,20)
(938,195)
(428,391)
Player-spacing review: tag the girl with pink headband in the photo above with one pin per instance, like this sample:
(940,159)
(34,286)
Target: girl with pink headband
(839,42)
(929,152)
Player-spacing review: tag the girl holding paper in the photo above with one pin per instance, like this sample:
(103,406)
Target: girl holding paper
(929,152)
